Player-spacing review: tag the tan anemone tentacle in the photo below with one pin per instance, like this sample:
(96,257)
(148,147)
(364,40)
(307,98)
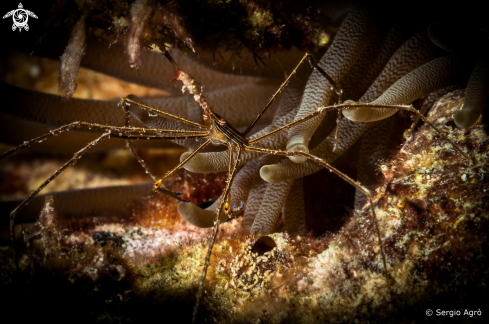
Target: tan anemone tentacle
(15,130)
(52,110)
(233,101)
(436,74)
(102,201)
(197,216)
(155,72)
(377,53)
(412,54)
(255,198)
(286,169)
(256,194)
(294,211)
(475,95)
(270,208)
(275,63)
(194,111)
(239,193)
(340,57)
(439,36)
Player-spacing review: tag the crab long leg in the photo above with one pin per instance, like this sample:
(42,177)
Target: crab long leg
(380,110)
(141,161)
(350,105)
(232,173)
(330,80)
(445,137)
(157,137)
(312,115)
(191,155)
(33,193)
(127,101)
(158,186)
(282,86)
(129,145)
(343,176)
(117,132)
(291,124)
(123,131)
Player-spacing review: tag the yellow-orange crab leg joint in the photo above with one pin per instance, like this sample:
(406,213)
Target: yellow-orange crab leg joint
(157,184)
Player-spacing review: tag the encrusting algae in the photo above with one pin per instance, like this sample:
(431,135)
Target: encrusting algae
(432,210)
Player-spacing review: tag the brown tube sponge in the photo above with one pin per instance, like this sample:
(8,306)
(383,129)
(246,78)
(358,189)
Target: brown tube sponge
(140,12)
(71,58)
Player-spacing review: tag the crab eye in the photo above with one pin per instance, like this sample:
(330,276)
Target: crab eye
(226,208)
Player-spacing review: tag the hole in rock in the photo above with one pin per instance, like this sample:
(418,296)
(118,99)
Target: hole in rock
(263,244)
